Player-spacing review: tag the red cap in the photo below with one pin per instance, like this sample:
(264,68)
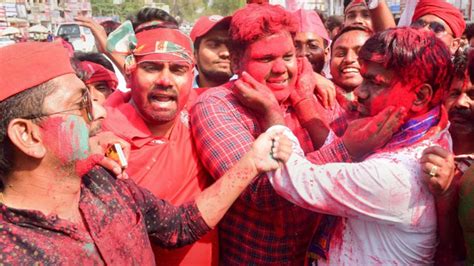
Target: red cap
(311,22)
(204,24)
(163,44)
(445,11)
(26,65)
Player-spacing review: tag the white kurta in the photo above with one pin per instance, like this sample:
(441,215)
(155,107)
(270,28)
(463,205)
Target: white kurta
(389,216)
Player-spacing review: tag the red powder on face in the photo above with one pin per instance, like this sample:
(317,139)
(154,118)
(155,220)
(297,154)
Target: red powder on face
(54,140)
(84,166)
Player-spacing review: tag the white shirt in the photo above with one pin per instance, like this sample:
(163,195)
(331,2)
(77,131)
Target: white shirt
(389,215)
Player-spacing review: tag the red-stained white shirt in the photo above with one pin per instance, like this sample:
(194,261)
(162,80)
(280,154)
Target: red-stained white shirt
(388,214)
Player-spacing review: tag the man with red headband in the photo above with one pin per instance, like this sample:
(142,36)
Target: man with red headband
(153,118)
(55,208)
(388,215)
(100,81)
(445,20)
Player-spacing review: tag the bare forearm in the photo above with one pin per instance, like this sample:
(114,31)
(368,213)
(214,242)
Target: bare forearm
(382,17)
(214,202)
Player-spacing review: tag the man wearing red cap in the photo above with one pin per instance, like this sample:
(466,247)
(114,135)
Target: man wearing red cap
(55,208)
(445,20)
(211,50)
(312,39)
(153,118)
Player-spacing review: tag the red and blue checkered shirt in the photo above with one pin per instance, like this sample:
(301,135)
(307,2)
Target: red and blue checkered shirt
(261,227)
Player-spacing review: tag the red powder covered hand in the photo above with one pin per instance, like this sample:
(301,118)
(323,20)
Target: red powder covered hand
(99,145)
(310,83)
(438,166)
(364,136)
(260,99)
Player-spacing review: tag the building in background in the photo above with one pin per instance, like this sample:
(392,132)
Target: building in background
(49,13)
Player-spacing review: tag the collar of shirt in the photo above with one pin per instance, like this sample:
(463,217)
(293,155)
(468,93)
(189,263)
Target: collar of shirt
(124,121)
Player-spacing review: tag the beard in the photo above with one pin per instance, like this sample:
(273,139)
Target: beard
(216,76)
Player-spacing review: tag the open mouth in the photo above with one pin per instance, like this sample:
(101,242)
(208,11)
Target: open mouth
(350,70)
(278,83)
(162,100)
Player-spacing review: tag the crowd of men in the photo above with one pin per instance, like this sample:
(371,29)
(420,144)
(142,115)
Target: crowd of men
(268,137)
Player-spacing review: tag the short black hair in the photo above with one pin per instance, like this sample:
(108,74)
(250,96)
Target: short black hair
(460,62)
(469,31)
(333,22)
(148,14)
(351,28)
(97,58)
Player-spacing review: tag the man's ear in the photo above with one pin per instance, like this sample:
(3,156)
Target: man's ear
(455,43)
(26,137)
(424,95)
(235,64)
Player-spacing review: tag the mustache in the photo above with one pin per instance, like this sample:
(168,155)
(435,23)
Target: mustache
(163,90)
(464,113)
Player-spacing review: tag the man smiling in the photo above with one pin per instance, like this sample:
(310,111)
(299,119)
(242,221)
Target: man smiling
(382,200)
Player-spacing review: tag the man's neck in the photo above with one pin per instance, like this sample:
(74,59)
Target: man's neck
(207,83)
(162,130)
(52,191)
(463,144)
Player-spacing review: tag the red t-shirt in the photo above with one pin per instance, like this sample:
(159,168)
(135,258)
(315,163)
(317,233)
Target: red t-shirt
(168,167)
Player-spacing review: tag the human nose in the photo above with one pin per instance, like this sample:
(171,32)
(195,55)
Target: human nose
(224,52)
(302,51)
(279,66)
(98,110)
(350,57)
(163,79)
(462,101)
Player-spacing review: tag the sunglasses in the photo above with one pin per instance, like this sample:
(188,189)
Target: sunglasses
(85,105)
(434,26)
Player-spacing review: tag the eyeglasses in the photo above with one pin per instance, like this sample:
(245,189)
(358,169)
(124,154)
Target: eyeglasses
(86,104)
(434,26)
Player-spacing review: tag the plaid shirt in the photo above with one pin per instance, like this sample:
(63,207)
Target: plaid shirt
(261,227)
(120,218)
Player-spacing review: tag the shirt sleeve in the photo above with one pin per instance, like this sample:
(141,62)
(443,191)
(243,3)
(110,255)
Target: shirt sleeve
(333,152)
(169,226)
(377,189)
(222,138)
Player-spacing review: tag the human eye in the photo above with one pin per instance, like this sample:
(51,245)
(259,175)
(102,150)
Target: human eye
(340,53)
(149,67)
(179,69)
(212,44)
(288,57)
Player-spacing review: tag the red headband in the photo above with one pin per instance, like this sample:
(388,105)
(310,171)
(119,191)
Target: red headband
(163,44)
(99,73)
